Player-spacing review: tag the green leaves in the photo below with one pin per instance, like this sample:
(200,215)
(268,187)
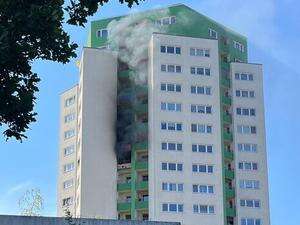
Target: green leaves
(31,30)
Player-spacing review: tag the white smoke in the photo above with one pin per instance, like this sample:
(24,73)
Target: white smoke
(130,37)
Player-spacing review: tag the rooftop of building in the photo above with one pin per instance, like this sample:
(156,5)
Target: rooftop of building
(179,5)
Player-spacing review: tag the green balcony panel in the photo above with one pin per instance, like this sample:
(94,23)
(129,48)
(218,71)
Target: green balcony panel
(228,155)
(140,127)
(141,108)
(141,205)
(122,187)
(230,211)
(141,166)
(126,74)
(227,118)
(124,206)
(143,185)
(227,136)
(230,192)
(229,174)
(225,82)
(143,146)
(226,100)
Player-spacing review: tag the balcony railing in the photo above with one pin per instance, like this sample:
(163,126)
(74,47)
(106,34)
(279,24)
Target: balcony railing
(226,100)
(229,174)
(141,165)
(123,206)
(124,186)
(227,136)
(227,118)
(142,204)
(228,154)
(142,185)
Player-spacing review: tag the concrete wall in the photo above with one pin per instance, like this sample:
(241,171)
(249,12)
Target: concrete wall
(156,156)
(259,157)
(97,174)
(22,220)
(62,192)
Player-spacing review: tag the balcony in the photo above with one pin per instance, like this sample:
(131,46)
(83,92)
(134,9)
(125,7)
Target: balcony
(229,192)
(140,109)
(143,185)
(140,205)
(122,187)
(230,211)
(227,136)
(227,118)
(141,165)
(226,100)
(123,206)
(126,74)
(228,155)
(143,146)
(225,82)
(229,174)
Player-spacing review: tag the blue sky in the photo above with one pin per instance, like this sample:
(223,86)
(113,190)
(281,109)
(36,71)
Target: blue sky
(272,28)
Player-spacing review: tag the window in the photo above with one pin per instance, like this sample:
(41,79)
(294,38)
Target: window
(199,52)
(172,166)
(200,71)
(172,187)
(166,21)
(103,33)
(69,150)
(249,184)
(250,221)
(171,146)
(238,46)
(244,147)
(172,207)
(70,117)
(171,68)
(203,209)
(67,201)
(248,166)
(250,203)
(171,126)
(243,76)
(170,106)
(170,49)
(201,128)
(203,189)
(202,109)
(244,94)
(68,183)
(245,111)
(69,133)
(68,167)
(213,33)
(70,101)
(202,148)
(246,129)
(169,87)
(203,90)
(200,168)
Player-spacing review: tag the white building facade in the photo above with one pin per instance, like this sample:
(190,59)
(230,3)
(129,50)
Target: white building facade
(195,148)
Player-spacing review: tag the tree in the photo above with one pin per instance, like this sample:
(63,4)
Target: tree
(31,203)
(31,30)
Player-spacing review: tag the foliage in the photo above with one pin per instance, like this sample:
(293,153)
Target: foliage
(31,203)
(31,30)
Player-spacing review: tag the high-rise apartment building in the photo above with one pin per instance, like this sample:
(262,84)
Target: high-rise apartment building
(178,135)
